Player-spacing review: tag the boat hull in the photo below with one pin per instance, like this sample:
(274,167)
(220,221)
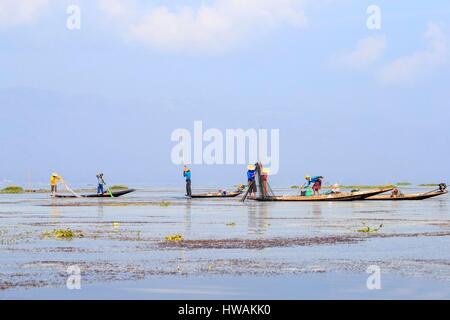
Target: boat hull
(104,195)
(406,197)
(333,197)
(210,196)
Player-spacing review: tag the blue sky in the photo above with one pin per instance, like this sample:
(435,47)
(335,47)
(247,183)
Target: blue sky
(353,104)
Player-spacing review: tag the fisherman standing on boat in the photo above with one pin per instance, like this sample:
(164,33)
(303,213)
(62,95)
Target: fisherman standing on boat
(265,177)
(187,175)
(100,183)
(54,180)
(251,175)
(316,182)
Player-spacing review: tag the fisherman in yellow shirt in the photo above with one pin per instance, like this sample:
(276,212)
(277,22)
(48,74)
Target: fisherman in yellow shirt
(54,180)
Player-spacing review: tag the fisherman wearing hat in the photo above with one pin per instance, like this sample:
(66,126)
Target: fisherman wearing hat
(251,174)
(54,180)
(187,175)
(100,183)
(316,181)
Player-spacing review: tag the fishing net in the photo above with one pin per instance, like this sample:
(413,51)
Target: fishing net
(264,189)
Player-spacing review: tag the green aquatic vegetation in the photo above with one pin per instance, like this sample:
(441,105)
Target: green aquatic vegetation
(174,238)
(368,229)
(362,186)
(118,187)
(429,185)
(164,203)
(295,187)
(231,224)
(403,183)
(12,190)
(64,234)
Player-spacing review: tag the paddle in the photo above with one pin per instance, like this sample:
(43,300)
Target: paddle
(250,187)
(442,187)
(107,188)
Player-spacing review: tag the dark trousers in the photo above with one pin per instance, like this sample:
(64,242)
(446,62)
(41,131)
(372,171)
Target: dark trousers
(188,187)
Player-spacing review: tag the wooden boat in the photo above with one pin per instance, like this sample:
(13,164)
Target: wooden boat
(341,196)
(215,195)
(104,195)
(410,196)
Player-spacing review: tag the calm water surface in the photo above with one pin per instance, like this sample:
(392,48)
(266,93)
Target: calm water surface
(123,253)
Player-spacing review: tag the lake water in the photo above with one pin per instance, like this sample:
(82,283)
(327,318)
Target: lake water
(233,250)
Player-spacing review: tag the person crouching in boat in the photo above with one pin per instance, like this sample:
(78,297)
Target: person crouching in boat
(316,182)
(100,184)
(335,189)
(54,180)
(251,175)
(187,175)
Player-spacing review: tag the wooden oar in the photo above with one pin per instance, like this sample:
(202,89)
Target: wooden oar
(107,188)
(250,187)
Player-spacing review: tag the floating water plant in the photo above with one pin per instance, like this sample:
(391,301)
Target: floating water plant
(65,234)
(368,229)
(174,238)
(164,203)
(231,224)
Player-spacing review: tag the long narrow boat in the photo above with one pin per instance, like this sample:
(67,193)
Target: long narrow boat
(410,196)
(342,196)
(215,195)
(94,195)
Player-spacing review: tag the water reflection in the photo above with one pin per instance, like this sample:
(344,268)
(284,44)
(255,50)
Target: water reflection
(187,218)
(317,209)
(257,218)
(100,211)
(54,212)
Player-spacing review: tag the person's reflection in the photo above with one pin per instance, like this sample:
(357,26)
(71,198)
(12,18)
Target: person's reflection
(257,218)
(251,221)
(187,218)
(54,210)
(317,209)
(100,211)
(263,213)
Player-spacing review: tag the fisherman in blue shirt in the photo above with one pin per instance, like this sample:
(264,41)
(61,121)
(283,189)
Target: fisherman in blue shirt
(251,174)
(187,175)
(100,183)
(316,182)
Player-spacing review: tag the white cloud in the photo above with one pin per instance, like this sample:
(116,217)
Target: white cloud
(407,69)
(16,12)
(213,27)
(366,53)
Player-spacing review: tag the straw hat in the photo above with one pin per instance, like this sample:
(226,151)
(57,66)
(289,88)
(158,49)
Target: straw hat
(265,170)
(54,174)
(251,167)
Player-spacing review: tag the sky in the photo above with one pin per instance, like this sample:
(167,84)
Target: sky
(352,103)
